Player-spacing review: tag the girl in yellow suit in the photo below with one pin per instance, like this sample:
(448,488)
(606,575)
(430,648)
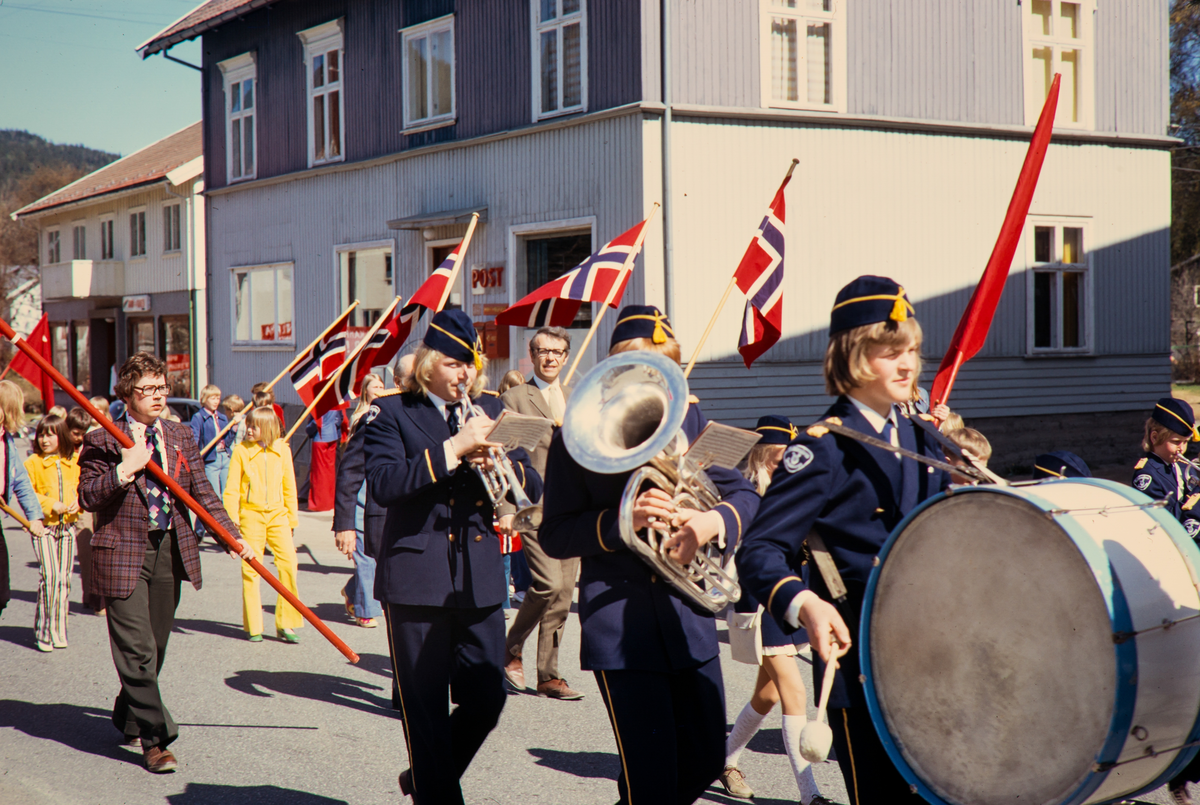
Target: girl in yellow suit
(260,497)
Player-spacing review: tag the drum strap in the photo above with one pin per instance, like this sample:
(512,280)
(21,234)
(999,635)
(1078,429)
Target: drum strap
(825,564)
(971,470)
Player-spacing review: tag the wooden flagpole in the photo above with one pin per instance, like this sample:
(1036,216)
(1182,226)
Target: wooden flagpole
(720,305)
(349,360)
(612,292)
(16,515)
(462,256)
(237,417)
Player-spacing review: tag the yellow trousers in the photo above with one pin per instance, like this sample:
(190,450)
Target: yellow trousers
(260,529)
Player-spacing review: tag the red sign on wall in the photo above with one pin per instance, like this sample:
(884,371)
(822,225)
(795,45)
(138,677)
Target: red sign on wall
(179,363)
(490,277)
(268,332)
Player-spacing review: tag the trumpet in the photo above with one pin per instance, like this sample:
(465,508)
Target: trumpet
(626,414)
(501,479)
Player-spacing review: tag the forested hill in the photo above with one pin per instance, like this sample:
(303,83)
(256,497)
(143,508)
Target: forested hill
(22,153)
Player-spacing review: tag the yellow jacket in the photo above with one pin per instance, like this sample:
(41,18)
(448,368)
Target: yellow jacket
(261,479)
(43,475)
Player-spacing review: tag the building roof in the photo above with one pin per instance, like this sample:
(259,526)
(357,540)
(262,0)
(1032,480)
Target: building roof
(204,17)
(150,164)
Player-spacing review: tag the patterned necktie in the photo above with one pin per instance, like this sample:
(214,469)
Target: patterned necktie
(159,503)
(452,417)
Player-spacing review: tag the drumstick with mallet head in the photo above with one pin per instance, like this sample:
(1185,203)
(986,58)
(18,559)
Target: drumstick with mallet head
(816,738)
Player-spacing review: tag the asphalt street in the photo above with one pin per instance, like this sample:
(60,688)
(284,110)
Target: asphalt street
(277,724)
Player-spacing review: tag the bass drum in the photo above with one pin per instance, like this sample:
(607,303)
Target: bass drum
(1035,644)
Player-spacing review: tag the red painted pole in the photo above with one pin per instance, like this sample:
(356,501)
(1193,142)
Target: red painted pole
(209,521)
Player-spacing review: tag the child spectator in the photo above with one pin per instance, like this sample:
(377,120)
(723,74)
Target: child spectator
(973,442)
(233,406)
(101,404)
(264,396)
(511,378)
(261,498)
(206,424)
(54,474)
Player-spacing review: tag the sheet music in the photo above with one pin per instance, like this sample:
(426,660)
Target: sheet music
(722,445)
(519,430)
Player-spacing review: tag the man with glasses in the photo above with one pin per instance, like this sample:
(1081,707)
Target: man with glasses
(548,599)
(144,546)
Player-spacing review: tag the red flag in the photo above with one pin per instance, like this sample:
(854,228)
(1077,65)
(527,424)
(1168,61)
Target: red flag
(39,339)
(321,361)
(976,320)
(760,278)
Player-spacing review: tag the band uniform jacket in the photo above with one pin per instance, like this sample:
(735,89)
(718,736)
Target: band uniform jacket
(122,520)
(351,475)
(630,618)
(439,545)
(853,496)
(1157,479)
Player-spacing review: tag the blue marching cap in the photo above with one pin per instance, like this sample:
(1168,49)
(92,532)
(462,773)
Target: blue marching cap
(869,300)
(776,429)
(452,333)
(1060,464)
(1177,416)
(642,321)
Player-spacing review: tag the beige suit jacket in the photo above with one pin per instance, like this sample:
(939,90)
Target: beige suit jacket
(528,399)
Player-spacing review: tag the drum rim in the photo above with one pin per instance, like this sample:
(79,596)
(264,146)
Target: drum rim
(1119,615)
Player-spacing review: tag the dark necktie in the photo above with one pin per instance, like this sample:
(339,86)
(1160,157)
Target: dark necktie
(888,430)
(452,417)
(157,500)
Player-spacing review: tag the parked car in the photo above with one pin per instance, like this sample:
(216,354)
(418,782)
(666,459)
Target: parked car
(182,407)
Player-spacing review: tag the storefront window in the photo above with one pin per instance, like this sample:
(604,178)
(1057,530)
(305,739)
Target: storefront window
(141,334)
(83,355)
(176,338)
(60,347)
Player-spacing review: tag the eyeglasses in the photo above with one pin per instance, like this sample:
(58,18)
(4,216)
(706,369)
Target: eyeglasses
(549,353)
(151,391)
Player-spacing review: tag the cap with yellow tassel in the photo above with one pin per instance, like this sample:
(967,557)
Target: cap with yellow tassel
(642,321)
(452,333)
(869,300)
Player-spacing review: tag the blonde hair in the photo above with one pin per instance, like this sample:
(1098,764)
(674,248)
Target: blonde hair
(511,378)
(757,472)
(209,391)
(364,404)
(973,440)
(267,423)
(1155,433)
(57,410)
(425,361)
(12,406)
(670,347)
(233,404)
(952,423)
(846,356)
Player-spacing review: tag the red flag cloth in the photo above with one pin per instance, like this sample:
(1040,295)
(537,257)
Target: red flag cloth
(320,363)
(556,303)
(39,339)
(384,344)
(760,277)
(976,320)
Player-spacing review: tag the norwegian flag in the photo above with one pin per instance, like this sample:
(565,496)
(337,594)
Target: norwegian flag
(379,349)
(600,278)
(760,277)
(320,363)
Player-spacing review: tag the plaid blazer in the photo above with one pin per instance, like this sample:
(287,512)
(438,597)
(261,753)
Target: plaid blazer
(122,517)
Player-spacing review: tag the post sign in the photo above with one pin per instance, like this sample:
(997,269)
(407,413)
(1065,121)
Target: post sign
(136,304)
(486,278)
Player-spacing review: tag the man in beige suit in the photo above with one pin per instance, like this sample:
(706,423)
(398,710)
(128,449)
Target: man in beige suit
(548,599)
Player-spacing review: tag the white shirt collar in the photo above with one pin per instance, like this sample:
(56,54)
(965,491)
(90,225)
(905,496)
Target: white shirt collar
(441,404)
(542,384)
(872,416)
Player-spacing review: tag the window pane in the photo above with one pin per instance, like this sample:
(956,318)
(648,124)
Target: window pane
(1071,311)
(167,229)
(141,232)
(442,57)
(235,97)
(235,148)
(248,124)
(334,68)
(784,83)
(572,66)
(285,304)
(1041,17)
(1072,245)
(1068,98)
(549,258)
(1069,22)
(318,71)
(1041,75)
(319,127)
(1043,307)
(549,10)
(60,349)
(417,80)
(262,303)
(248,94)
(819,90)
(784,3)
(241,306)
(335,124)
(83,368)
(549,71)
(570,7)
(1043,244)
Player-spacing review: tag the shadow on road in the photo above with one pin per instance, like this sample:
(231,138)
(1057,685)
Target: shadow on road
(217,628)
(767,742)
(206,794)
(717,794)
(305,685)
(84,729)
(602,765)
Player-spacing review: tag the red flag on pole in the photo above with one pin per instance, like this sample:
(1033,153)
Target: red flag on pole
(39,339)
(976,320)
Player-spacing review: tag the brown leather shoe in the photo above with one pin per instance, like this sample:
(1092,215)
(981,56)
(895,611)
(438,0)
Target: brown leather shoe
(735,783)
(159,761)
(558,689)
(406,786)
(514,673)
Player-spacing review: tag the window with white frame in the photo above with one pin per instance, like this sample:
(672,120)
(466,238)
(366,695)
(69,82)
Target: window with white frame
(804,54)
(323,63)
(241,106)
(53,247)
(172,240)
(262,305)
(1059,286)
(429,73)
(137,233)
(107,248)
(78,242)
(1059,36)
(559,57)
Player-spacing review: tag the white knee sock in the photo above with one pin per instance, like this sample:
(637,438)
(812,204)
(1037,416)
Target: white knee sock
(792,725)
(748,722)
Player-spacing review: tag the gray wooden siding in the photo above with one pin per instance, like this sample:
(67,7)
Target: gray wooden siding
(1132,66)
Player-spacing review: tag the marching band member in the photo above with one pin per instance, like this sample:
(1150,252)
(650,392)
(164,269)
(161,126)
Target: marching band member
(852,496)
(440,575)
(1161,473)
(1059,464)
(654,655)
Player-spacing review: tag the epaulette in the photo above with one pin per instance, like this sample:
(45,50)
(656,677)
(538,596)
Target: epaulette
(1141,463)
(817,430)
(1191,501)
(693,399)
(491,393)
(928,417)
(389,393)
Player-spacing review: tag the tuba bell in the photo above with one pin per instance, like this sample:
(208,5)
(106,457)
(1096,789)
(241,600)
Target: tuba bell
(626,414)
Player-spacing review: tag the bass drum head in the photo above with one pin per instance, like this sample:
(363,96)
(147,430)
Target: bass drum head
(991,653)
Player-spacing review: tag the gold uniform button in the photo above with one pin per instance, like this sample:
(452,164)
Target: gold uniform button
(450,537)
(479,538)
(451,501)
(653,578)
(479,503)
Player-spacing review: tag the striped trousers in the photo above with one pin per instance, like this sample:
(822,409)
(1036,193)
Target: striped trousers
(55,551)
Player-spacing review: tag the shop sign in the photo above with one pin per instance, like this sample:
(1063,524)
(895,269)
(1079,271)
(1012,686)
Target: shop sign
(179,364)
(136,304)
(484,278)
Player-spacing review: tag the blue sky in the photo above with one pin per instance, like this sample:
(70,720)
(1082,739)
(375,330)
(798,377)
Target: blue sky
(71,72)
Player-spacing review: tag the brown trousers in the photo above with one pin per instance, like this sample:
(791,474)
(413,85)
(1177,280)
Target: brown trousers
(547,602)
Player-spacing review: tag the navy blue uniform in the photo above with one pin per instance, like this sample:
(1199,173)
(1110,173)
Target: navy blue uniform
(853,496)
(1161,481)
(654,654)
(441,578)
